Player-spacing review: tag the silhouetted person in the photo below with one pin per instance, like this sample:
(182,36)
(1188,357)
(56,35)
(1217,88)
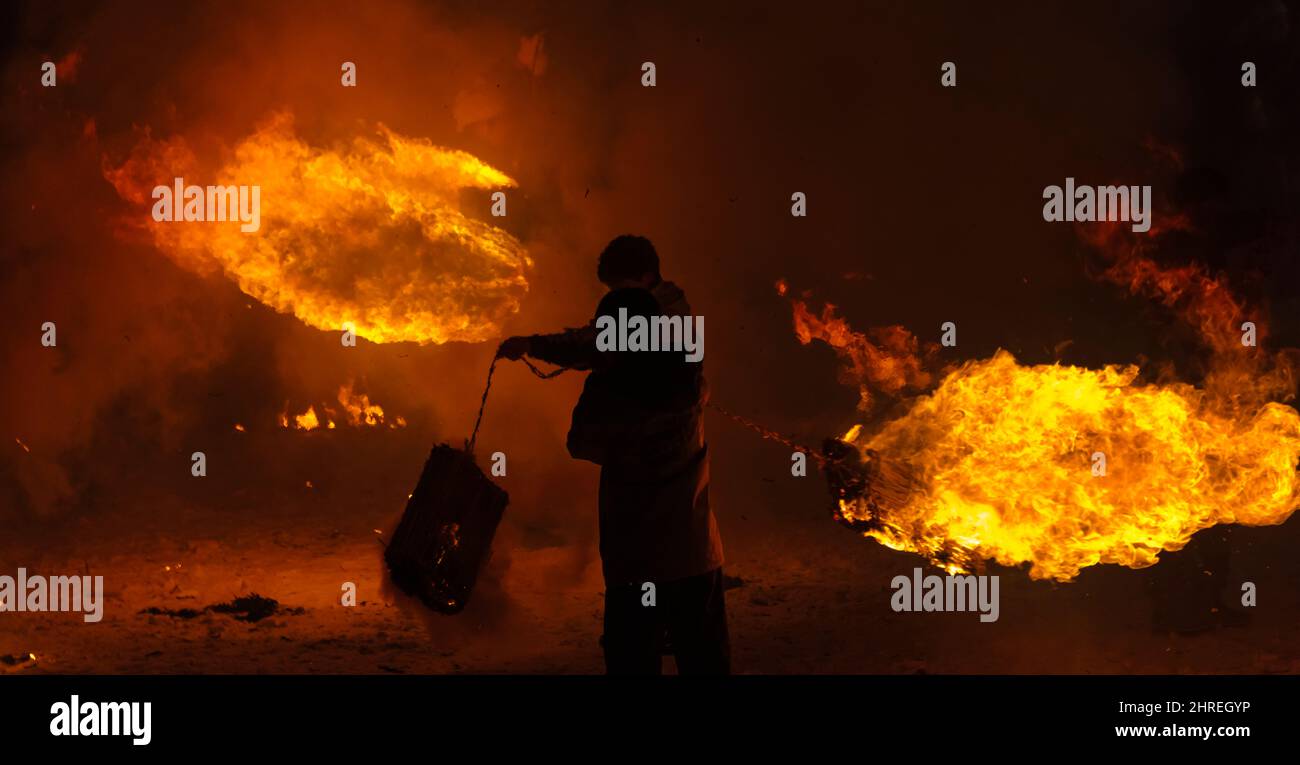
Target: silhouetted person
(640,417)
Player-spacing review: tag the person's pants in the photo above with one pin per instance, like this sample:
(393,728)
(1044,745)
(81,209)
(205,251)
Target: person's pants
(688,618)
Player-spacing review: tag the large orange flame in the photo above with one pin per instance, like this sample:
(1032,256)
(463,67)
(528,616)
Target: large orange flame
(369,237)
(1000,457)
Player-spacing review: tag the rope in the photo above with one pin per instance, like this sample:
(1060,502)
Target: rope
(482,404)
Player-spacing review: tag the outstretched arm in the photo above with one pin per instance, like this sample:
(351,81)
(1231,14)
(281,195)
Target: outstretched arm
(572,348)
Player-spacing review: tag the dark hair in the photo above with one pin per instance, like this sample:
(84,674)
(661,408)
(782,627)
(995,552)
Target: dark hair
(627,257)
(637,301)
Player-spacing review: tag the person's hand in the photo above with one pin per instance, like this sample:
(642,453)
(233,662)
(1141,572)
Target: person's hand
(513,348)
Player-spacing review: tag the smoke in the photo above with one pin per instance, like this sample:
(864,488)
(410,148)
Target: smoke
(165,345)
(154,361)
(128,329)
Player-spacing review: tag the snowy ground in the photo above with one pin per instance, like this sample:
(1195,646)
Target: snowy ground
(814,599)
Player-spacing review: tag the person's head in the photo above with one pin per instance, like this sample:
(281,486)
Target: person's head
(628,261)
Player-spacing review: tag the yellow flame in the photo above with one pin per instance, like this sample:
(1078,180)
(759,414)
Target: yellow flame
(1003,455)
(356,410)
(307,420)
(368,237)
(1063,467)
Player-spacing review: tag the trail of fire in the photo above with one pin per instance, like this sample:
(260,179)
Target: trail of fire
(995,463)
(370,235)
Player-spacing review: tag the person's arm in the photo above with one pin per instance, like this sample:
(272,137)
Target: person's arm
(573,348)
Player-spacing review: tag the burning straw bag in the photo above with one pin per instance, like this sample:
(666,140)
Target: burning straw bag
(446,532)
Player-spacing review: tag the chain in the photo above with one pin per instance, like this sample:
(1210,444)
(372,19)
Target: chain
(770,435)
(482,404)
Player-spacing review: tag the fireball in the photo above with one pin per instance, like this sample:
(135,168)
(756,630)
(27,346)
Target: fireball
(369,236)
(1058,467)
(1004,467)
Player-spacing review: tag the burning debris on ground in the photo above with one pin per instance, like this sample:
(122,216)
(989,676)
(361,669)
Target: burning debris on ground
(353,409)
(17,661)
